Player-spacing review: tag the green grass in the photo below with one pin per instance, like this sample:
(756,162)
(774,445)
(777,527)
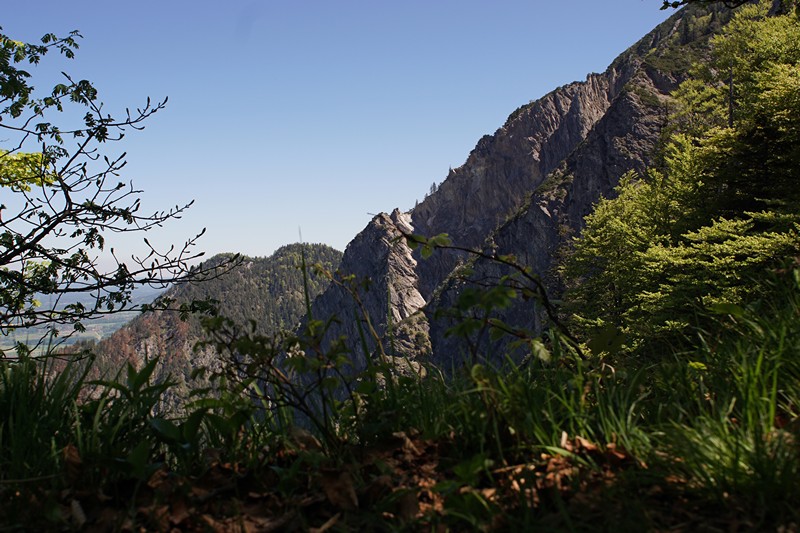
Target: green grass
(702,437)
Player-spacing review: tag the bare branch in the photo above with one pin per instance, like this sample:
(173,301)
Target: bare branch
(60,211)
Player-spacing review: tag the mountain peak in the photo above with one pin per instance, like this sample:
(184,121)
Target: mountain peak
(527,187)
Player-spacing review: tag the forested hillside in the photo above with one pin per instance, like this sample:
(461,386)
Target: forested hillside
(267,292)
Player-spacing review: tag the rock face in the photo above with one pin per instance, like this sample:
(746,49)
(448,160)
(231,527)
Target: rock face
(505,167)
(523,190)
(380,257)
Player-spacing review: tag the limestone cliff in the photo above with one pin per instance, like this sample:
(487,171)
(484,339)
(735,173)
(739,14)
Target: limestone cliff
(503,168)
(377,287)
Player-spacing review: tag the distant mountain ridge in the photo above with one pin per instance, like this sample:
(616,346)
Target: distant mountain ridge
(266,290)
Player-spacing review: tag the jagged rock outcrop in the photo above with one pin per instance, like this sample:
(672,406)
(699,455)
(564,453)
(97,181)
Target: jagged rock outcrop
(621,141)
(505,167)
(382,290)
(525,189)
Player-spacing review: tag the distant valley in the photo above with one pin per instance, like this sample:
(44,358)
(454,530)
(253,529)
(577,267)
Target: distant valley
(96,329)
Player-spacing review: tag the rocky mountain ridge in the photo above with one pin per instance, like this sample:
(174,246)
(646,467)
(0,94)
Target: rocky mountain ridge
(505,167)
(523,190)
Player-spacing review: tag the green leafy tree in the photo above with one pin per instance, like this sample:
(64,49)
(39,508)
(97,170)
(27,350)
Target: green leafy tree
(701,231)
(756,159)
(62,196)
(719,263)
(608,260)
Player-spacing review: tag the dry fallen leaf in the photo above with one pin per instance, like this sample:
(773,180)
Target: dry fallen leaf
(73,462)
(157,515)
(78,515)
(304,440)
(585,444)
(377,489)
(327,525)
(408,445)
(211,523)
(338,487)
(180,512)
(158,479)
(565,444)
(407,506)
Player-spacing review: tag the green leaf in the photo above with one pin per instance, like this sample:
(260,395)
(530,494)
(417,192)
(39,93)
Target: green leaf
(166,429)
(539,350)
(468,471)
(139,460)
(609,339)
(190,429)
(723,308)
(136,380)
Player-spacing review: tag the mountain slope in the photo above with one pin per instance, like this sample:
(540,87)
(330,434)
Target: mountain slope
(525,189)
(266,290)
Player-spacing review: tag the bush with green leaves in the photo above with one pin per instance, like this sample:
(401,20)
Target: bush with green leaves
(703,229)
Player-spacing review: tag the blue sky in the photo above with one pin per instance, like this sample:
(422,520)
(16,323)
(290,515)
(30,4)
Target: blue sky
(313,115)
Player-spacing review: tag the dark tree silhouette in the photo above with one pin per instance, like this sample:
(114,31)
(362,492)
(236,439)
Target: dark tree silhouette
(729,3)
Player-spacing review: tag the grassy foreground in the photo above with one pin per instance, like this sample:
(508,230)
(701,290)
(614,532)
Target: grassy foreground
(705,437)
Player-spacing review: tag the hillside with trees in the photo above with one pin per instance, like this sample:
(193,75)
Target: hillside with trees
(262,295)
(701,229)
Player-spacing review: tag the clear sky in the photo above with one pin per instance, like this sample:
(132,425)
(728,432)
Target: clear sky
(315,114)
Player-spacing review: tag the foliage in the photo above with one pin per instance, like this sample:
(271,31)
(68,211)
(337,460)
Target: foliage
(703,229)
(27,442)
(19,172)
(559,445)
